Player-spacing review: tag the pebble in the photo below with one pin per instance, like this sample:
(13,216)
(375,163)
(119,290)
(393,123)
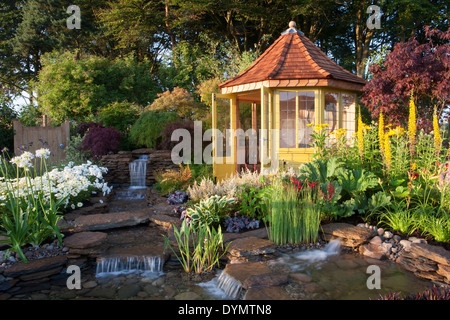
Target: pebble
(388,234)
(380,231)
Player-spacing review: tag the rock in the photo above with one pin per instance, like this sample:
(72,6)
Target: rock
(251,246)
(417,240)
(380,231)
(435,253)
(120,219)
(373,251)
(444,271)
(242,271)
(87,239)
(350,235)
(187,296)
(102,292)
(265,280)
(388,234)
(300,277)
(38,265)
(258,233)
(267,293)
(128,291)
(376,240)
(397,238)
(406,244)
(90,284)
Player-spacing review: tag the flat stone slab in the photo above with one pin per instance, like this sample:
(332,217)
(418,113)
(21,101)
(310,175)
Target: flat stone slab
(431,252)
(165,221)
(351,236)
(86,239)
(107,221)
(267,293)
(258,233)
(251,246)
(242,271)
(33,266)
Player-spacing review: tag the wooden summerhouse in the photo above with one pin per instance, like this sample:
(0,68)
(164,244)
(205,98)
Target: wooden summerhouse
(293,84)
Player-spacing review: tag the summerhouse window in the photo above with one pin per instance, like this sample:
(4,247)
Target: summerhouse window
(287,119)
(348,114)
(331,111)
(297,110)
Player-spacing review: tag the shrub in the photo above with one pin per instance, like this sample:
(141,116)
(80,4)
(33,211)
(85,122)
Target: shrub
(101,140)
(147,129)
(120,115)
(171,180)
(177,197)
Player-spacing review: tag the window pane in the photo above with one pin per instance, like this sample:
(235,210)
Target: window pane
(287,119)
(331,111)
(349,115)
(306,115)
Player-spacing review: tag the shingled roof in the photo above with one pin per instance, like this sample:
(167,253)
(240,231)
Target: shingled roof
(293,61)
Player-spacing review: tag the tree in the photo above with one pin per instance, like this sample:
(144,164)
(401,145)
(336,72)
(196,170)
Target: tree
(423,69)
(79,89)
(181,102)
(7,115)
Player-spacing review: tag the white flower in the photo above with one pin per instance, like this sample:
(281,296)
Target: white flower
(72,206)
(43,153)
(79,204)
(101,201)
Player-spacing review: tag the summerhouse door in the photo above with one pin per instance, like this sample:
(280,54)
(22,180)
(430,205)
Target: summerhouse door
(223,137)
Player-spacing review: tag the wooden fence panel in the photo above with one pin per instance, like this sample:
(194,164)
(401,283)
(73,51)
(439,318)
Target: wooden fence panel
(34,138)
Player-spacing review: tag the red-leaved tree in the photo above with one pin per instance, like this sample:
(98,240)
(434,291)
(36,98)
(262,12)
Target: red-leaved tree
(412,67)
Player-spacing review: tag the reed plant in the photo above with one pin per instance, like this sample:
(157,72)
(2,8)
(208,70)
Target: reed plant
(200,249)
(294,214)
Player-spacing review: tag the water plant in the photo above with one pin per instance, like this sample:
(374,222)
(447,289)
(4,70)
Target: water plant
(199,249)
(294,215)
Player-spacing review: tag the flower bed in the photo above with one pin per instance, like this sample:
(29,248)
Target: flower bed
(32,200)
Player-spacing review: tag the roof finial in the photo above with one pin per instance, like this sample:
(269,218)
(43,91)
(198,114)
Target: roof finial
(292,28)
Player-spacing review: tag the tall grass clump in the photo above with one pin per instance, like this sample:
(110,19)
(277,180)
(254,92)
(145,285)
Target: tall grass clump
(294,216)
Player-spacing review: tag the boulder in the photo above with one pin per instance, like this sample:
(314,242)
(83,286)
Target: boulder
(251,246)
(350,235)
(34,266)
(435,253)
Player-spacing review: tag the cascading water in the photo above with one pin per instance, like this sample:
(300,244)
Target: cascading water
(138,171)
(128,264)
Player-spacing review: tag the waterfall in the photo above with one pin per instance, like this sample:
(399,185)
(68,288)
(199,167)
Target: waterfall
(138,171)
(230,286)
(331,248)
(117,264)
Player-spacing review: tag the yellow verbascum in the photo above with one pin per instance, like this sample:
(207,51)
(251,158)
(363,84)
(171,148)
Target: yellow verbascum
(387,152)
(360,136)
(437,135)
(381,133)
(412,124)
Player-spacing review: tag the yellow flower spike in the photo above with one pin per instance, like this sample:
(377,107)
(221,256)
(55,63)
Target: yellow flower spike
(360,136)
(437,135)
(387,152)
(381,133)
(412,124)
